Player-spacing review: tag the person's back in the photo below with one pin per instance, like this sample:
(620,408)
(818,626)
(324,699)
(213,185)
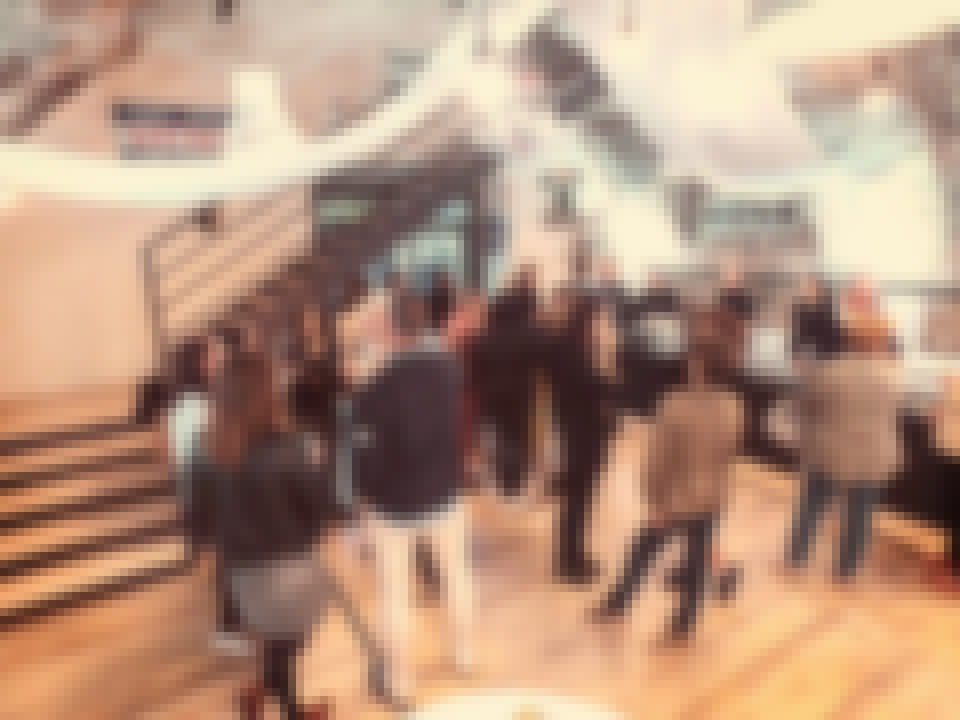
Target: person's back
(852,410)
(409,459)
(695,445)
(275,504)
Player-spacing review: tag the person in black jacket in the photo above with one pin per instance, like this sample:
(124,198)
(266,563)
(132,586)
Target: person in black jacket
(263,506)
(407,459)
(584,402)
(509,377)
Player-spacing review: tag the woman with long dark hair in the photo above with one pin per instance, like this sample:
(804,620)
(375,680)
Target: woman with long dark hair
(265,506)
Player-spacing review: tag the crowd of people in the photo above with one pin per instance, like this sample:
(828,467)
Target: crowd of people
(376,421)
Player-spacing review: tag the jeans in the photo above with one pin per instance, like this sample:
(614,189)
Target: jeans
(643,553)
(818,495)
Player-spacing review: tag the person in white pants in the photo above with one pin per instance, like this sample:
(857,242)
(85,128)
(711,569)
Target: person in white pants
(395,541)
(407,462)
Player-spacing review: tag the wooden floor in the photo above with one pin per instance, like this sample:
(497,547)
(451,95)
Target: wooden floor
(787,649)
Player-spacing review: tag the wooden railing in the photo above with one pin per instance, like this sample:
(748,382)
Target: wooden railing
(184,265)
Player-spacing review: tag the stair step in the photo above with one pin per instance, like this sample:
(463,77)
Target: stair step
(89,578)
(73,453)
(54,473)
(50,542)
(115,663)
(168,677)
(59,411)
(84,493)
(211,702)
(109,622)
(19,444)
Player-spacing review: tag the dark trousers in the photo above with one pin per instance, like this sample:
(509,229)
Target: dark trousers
(817,497)
(644,550)
(227,617)
(279,668)
(514,445)
(586,449)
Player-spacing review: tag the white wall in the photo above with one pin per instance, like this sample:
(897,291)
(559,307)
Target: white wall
(72,311)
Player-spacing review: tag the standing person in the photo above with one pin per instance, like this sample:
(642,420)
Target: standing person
(558,365)
(509,379)
(692,459)
(463,333)
(848,417)
(263,508)
(197,369)
(408,473)
(584,392)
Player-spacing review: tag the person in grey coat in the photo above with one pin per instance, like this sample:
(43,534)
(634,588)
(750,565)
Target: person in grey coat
(847,419)
(693,455)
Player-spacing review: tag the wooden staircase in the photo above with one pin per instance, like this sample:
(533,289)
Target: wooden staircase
(86,508)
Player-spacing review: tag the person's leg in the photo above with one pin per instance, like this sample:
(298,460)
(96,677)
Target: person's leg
(641,557)
(699,534)
(279,661)
(449,536)
(572,561)
(856,533)
(806,518)
(394,549)
(517,446)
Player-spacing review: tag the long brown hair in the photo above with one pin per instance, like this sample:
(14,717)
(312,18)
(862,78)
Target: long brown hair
(247,408)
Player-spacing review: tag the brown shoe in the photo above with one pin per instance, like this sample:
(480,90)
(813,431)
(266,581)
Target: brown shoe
(250,703)
(319,711)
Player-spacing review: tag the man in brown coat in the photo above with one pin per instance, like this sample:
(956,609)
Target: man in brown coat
(693,454)
(848,417)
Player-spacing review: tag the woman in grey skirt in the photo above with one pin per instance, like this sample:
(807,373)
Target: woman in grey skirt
(265,504)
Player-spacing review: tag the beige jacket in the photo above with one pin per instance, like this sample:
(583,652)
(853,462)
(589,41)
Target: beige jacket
(849,419)
(694,449)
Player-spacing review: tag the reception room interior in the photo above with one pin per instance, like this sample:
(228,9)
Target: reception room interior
(687,271)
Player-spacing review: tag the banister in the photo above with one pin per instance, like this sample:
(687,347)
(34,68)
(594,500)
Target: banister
(193,251)
(239,253)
